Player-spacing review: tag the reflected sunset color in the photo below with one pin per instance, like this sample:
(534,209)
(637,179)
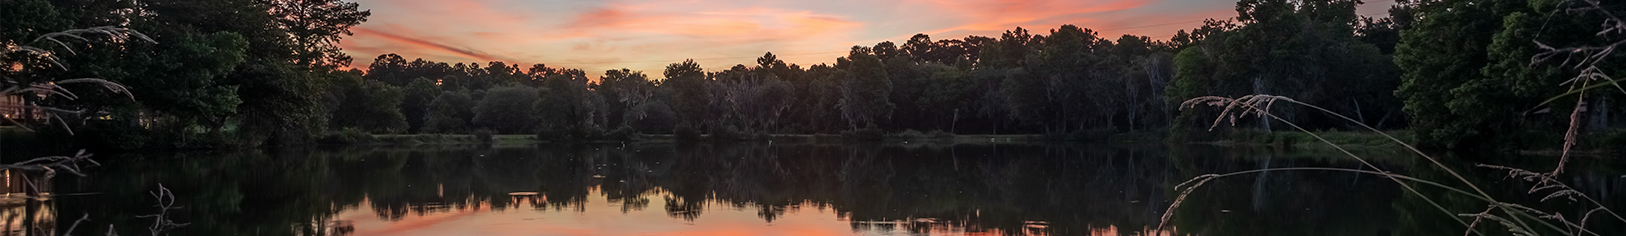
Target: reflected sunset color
(752,189)
(599,215)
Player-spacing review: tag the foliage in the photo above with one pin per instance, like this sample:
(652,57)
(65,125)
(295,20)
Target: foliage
(506,110)
(569,107)
(658,118)
(685,131)
(368,105)
(347,135)
(1303,49)
(940,135)
(908,135)
(686,81)
(621,133)
(867,134)
(450,112)
(1468,88)
(415,103)
(249,68)
(864,89)
(921,85)
(1445,53)
(484,135)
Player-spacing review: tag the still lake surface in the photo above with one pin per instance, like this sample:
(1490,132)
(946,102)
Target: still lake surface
(780,189)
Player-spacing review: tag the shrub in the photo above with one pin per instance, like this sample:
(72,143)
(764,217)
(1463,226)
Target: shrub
(621,133)
(348,135)
(551,135)
(588,133)
(866,134)
(1095,134)
(685,131)
(940,135)
(658,117)
(484,135)
(910,135)
(729,132)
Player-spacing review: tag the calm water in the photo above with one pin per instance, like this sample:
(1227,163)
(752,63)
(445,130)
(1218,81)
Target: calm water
(763,189)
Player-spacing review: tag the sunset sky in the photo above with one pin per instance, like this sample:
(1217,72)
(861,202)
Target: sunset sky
(645,35)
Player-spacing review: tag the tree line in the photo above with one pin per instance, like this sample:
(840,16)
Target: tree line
(1067,81)
(1071,80)
(1458,73)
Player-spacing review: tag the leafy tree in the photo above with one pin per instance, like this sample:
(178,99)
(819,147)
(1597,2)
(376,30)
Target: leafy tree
(949,93)
(822,100)
(234,63)
(389,68)
(657,118)
(569,110)
(26,20)
(1442,54)
(689,95)
(291,50)
(865,89)
(415,104)
(506,110)
(316,26)
(450,112)
(369,105)
(1473,83)
(921,48)
(182,83)
(1307,50)
(1026,96)
(624,92)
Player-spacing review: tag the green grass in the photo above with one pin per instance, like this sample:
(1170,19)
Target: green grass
(1295,139)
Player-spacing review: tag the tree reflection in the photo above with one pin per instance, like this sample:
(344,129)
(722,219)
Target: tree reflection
(919,189)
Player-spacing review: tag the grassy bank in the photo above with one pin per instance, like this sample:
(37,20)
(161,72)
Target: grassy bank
(415,139)
(1287,139)
(352,138)
(1597,143)
(428,139)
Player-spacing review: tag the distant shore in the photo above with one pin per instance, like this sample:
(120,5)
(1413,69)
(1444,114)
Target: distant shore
(893,138)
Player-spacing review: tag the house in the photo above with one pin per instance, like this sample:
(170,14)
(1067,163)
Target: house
(11,107)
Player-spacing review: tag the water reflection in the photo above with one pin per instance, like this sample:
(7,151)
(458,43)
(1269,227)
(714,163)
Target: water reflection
(27,216)
(754,189)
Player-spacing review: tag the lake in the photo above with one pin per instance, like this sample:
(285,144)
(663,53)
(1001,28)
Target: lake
(782,189)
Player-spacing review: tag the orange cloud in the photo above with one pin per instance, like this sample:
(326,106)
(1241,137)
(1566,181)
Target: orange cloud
(425,44)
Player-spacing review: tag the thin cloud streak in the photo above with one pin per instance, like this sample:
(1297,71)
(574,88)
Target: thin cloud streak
(363,32)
